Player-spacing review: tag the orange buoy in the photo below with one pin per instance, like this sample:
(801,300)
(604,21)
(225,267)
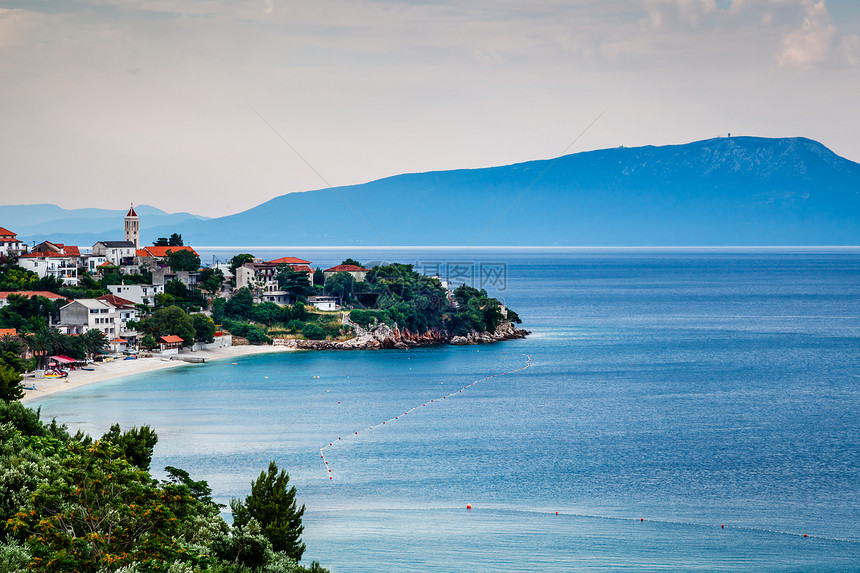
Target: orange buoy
(556,511)
(641,519)
(722,526)
(804,535)
(468,506)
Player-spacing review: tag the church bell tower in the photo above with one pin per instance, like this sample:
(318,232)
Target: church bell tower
(132,227)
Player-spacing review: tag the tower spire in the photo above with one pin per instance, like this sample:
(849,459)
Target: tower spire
(132,227)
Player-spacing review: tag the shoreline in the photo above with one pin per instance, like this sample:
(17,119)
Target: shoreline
(121,368)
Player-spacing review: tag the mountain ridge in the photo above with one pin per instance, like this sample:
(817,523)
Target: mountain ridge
(743,191)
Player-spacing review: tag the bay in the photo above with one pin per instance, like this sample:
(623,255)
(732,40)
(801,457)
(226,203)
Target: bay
(689,389)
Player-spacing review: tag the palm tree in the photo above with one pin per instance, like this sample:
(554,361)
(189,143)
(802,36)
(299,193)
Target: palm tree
(94,341)
(12,343)
(44,342)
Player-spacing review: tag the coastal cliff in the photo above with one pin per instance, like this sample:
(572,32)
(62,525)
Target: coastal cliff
(383,336)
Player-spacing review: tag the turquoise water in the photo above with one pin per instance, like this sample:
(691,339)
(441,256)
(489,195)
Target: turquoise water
(688,389)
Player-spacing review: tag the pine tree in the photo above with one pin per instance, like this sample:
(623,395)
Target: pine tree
(273,504)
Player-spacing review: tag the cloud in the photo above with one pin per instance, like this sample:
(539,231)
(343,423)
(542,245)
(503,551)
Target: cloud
(817,40)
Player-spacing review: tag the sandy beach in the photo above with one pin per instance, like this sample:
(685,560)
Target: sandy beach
(118,368)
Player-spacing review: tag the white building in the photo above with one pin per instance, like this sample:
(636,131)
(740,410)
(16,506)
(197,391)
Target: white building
(64,267)
(9,242)
(111,318)
(262,278)
(92,262)
(138,294)
(85,314)
(117,253)
(323,302)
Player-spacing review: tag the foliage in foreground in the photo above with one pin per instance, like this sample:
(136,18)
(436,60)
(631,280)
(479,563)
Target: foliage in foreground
(72,503)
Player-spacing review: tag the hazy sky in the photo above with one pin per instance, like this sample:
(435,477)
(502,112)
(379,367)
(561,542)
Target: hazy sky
(105,102)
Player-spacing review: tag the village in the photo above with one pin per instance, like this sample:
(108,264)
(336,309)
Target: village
(166,264)
(161,301)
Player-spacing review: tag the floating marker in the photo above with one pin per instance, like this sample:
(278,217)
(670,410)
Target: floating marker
(722,526)
(468,506)
(804,535)
(641,519)
(556,511)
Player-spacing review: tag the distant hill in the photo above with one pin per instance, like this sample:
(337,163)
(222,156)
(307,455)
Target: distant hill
(82,227)
(726,191)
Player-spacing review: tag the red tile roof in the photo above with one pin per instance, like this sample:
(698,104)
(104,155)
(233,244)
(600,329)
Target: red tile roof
(6,232)
(45,255)
(346,269)
(302,268)
(141,253)
(171,338)
(162,251)
(116,300)
(72,250)
(32,293)
(289,261)
(8,332)
(118,341)
(131,212)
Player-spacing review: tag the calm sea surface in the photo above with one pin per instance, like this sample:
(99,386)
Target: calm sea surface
(688,389)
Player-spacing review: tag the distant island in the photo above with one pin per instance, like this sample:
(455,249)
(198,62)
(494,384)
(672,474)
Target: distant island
(729,191)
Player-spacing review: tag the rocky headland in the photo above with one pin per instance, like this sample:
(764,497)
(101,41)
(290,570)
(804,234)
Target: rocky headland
(384,336)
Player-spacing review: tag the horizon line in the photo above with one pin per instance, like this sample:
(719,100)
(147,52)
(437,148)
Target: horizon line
(535,247)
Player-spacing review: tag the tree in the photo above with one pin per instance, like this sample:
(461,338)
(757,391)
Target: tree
(211,280)
(43,342)
(199,490)
(136,444)
(351,262)
(161,242)
(312,331)
(319,277)
(294,282)
(175,240)
(272,503)
(148,341)
(94,341)
(204,328)
(102,514)
(11,343)
(240,304)
(341,285)
(183,260)
(219,306)
(239,260)
(170,320)
(10,383)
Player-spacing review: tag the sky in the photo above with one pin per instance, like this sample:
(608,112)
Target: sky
(215,106)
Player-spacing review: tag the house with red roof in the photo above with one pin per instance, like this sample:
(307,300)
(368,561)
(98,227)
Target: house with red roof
(109,314)
(262,278)
(358,273)
(170,344)
(9,243)
(4,295)
(49,262)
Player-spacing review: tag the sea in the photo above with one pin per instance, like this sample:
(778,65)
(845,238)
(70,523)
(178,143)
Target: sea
(671,410)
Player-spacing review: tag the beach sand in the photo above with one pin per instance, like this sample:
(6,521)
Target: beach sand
(118,368)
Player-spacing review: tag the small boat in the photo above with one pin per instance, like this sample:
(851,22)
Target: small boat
(88,368)
(130,358)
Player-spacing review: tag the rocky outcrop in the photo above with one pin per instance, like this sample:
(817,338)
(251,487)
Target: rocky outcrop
(384,336)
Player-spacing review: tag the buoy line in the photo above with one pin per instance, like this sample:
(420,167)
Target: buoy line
(749,528)
(423,405)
